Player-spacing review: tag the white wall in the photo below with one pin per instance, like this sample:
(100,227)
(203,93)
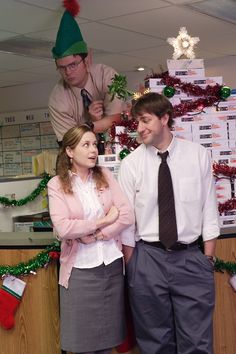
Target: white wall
(33,96)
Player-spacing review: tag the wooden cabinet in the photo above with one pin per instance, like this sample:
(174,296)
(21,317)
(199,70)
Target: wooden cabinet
(37,318)
(225,310)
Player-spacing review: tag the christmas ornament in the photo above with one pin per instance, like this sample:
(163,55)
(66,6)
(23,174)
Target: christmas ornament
(10,298)
(183,44)
(124,153)
(225,92)
(169,91)
(118,88)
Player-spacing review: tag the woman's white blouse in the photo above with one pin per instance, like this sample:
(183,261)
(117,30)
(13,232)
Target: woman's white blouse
(99,252)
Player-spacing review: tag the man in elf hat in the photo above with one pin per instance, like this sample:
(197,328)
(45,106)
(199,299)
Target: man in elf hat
(82,93)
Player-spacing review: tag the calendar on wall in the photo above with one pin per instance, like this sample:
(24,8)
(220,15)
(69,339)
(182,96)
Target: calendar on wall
(23,135)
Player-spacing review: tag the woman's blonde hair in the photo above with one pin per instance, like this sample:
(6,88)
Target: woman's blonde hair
(71,139)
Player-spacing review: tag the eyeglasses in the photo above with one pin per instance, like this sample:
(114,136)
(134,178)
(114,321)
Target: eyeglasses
(71,67)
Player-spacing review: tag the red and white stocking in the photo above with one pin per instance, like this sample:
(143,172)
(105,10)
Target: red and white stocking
(10,296)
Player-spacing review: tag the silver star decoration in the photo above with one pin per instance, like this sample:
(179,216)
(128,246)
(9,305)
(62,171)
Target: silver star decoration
(183,44)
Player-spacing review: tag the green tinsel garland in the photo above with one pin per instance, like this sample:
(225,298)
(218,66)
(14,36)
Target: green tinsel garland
(221,266)
(44,258)
(118,88)
(30,267)
(13,202)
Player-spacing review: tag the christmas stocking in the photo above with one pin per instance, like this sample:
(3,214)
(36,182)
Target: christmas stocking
(10,297)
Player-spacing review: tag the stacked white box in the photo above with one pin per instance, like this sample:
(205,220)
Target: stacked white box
(111,162)
(223,190)
(214,128)
(184,64)
(226,156)
(209,131)
(187,72)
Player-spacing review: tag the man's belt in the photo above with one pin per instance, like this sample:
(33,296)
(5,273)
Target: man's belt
(178,246)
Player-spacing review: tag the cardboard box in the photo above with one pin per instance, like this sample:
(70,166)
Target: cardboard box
(209,130)
(206,127)
(103,160)
(232,144)
(194,118)
(223,190)
(112,166)
(182,127)
(231,98)
(224,153)
(210,135)
(203,81)
(159,89)
(227,221)
(230,160)
(184,64)
(186,72)
(23,226)
(212,144)
(224,116)
(150,83)
(226,106)
(231,125)
(181,135)
(232,134)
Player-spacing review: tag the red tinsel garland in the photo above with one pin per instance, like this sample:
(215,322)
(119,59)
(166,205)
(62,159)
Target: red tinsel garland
(210,94)
(125,139)
(223,169)
(228,205)
(182,108)
(187,87)
(228,172)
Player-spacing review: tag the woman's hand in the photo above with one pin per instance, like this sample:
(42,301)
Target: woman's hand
(87,239)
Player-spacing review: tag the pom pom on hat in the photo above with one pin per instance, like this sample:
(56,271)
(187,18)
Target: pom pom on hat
(72,7)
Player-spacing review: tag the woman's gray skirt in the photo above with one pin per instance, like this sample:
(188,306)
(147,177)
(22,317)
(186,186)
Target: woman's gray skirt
(92,309)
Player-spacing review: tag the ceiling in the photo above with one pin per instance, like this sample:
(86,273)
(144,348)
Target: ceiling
(122,33)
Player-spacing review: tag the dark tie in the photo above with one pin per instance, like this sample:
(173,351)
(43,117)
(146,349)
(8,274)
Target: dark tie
(167,218)
(87,100)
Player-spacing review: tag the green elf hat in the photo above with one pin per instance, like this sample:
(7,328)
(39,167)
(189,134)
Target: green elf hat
(69,38)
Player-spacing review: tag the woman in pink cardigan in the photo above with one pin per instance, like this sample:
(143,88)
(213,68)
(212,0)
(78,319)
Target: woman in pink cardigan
(89,211)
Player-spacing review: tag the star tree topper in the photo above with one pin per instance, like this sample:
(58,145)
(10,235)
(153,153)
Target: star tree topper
(183,44)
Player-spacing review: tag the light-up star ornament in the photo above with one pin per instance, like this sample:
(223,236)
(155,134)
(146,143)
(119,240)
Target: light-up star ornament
(183,44)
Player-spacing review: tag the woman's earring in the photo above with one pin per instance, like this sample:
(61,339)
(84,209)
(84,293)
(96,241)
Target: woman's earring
(71,161)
